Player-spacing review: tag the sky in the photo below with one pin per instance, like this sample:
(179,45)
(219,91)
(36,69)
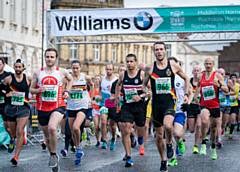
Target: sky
(157,3)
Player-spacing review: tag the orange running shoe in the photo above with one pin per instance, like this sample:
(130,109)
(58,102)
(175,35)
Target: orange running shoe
(141,150)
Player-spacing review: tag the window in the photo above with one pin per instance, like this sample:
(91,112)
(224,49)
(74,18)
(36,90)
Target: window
(1,9)
(74,51)
(35,16)
(114,54)
(24,12)
(168,50)
(96,52)
(12,10)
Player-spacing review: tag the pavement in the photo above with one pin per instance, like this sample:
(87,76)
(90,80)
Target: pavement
(32,159)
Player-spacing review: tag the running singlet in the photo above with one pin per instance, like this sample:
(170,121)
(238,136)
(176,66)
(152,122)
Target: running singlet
(131,87)
(162,83)
(209,92)
(51,98)
(79,97)
(194,89)
(105,91)
(223,98)
(233,99)
(179,87)
(20,91)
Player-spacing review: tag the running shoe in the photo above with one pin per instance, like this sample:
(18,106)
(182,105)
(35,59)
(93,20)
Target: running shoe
(213,154)
(203,150)
(56,169)
(195,149)
(64,153)
(14,161)
(170,151)
(79,155)
(104,145)
(73,149)
(129,162)
(219,144)
(163,167)
(53,161)
(124,158)
(112,145)
(11,146)
(173,162)
(141,150)
(97,144)
(84,136)
(181,147)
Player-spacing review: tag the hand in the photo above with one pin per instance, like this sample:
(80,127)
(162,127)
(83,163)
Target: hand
(137,98)
(41,89)
(65,95)
(9,94)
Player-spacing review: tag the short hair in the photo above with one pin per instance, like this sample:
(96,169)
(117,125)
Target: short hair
(132,55)
(19,61)
(51,49)
(161,43)
(233,75)
(75,61)
(3,60)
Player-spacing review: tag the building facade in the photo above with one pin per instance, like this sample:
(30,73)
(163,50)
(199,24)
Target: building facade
(20,36)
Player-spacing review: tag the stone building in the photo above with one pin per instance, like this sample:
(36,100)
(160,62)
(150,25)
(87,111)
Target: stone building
(20,35)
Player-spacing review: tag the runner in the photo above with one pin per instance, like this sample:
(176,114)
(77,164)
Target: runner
(18,109)
(3,100)
(194,120)
(106,103)
(233,100)
(161,75)
(132,109)
(209,84)
(47,84)
(180,117)
(77,106)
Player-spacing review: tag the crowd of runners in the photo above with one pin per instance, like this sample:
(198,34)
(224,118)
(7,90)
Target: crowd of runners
(160,95)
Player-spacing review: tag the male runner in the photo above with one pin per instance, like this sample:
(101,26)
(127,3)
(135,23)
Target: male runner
(47,84)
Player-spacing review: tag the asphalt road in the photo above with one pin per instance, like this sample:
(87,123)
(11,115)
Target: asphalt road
(32,159)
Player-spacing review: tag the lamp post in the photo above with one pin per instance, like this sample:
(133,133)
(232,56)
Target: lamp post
(43,25)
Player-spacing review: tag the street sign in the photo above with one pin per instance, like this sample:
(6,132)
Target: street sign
(145,20)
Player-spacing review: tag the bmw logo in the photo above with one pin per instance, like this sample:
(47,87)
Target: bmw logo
(143,20)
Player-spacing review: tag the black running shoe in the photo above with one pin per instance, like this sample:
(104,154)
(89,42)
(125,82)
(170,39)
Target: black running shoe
(163,167)
(44,146)
(14,161)
(170,152)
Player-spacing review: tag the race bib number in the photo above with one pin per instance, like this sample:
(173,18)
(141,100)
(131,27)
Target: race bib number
(163,85)
(50,94)
(129,93)
(18,98)
(2,100)
(76,95)
(208,93)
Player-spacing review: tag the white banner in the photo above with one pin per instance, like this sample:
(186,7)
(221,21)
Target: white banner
(104,21)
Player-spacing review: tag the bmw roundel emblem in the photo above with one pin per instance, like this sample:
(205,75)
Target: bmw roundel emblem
(143,20)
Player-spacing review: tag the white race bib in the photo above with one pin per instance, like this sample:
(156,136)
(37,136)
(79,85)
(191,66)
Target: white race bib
(76,95)
(129,93)
(50,93)
(208,93)
(163,85)
(18,98)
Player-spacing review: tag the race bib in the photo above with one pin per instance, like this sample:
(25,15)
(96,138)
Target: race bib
(232,99)
(129,93)
(163,85)
(50,94)
(18,98)
(222,99)
(208,93)
(2,100)
(76,95)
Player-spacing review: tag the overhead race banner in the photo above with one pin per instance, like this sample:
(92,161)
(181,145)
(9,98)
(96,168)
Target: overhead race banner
(144,20)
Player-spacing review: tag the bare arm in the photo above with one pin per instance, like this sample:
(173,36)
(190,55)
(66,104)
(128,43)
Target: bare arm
(33,85)
(222,85)
(69,80)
